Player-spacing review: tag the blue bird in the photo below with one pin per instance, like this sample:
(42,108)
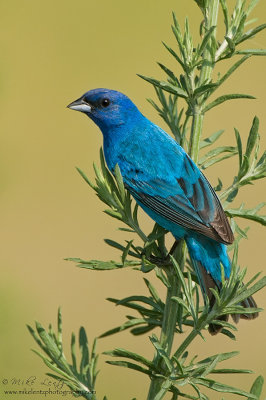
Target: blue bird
(166,183)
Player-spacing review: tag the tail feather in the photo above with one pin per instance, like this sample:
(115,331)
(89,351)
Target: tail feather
(210,278)
(207,283)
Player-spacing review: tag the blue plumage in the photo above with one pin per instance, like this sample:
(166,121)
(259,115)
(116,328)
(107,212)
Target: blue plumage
(164,181)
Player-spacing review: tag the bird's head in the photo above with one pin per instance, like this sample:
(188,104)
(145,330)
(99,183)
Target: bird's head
(107,108)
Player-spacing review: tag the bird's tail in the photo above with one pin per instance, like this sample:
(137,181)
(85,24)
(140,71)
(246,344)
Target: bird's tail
(207,256)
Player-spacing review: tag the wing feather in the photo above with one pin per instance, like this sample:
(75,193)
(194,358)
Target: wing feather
(192,203)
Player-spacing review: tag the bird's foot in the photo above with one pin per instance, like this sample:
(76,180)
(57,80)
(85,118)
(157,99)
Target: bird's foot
(160,261)
(164,261)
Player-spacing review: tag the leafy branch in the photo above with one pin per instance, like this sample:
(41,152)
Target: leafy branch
(81,380)
(181,312)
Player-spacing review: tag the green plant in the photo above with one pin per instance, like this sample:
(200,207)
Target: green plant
(172,370)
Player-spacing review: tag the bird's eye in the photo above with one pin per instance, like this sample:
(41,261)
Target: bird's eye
(105,102)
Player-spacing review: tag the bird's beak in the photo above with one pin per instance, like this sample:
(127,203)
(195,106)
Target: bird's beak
(80,105)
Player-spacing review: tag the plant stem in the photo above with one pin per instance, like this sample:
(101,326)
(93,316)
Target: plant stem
(183,141)
(211,15)
(168,329)
(170,312)
(195,136)
(169,320)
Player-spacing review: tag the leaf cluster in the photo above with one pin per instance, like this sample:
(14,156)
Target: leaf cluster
(192,85)
(80,379)
(179,372)
(184,372)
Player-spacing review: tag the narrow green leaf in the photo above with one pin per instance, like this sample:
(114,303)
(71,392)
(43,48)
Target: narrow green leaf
(86,179)
(252,52)
(129,324)
(175,55)
(240,30)
(239,146)
(257,386)
(126,229)
(83,344)
(125,252)
(225,13)
(73,352)
(101,265)
(59,371)
(120,183)
(216,160)
(223,357)
(217,151)
(208,369)
(181,302)
(162,353)
(205,40)
(36,338)
(71,384)
(153,291)
(98,174)
(166,86)
(231,371)
(168,72)
(54,352)
(233,69)
(250,33)
(119,352)
(228,333)
(177,32)
(226,97)
(140,330)
(249,292)
(181,278)
(161,275)
(143,299)
(211,139)
(224,324)
(130,365)
(244,167)
(253,279)
(250,214)
(135,214)
(120,247)
(241,310)
(59,328)
(219,186)
(220,387)
(114,244)
(253,137)
(204,89)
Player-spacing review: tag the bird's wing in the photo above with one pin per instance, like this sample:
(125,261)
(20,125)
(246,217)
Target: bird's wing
(187,200)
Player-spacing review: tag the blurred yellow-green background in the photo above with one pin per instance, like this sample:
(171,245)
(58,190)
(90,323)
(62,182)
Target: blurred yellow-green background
(52,52)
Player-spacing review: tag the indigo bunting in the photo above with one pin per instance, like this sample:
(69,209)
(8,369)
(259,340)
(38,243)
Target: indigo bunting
(166,183)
